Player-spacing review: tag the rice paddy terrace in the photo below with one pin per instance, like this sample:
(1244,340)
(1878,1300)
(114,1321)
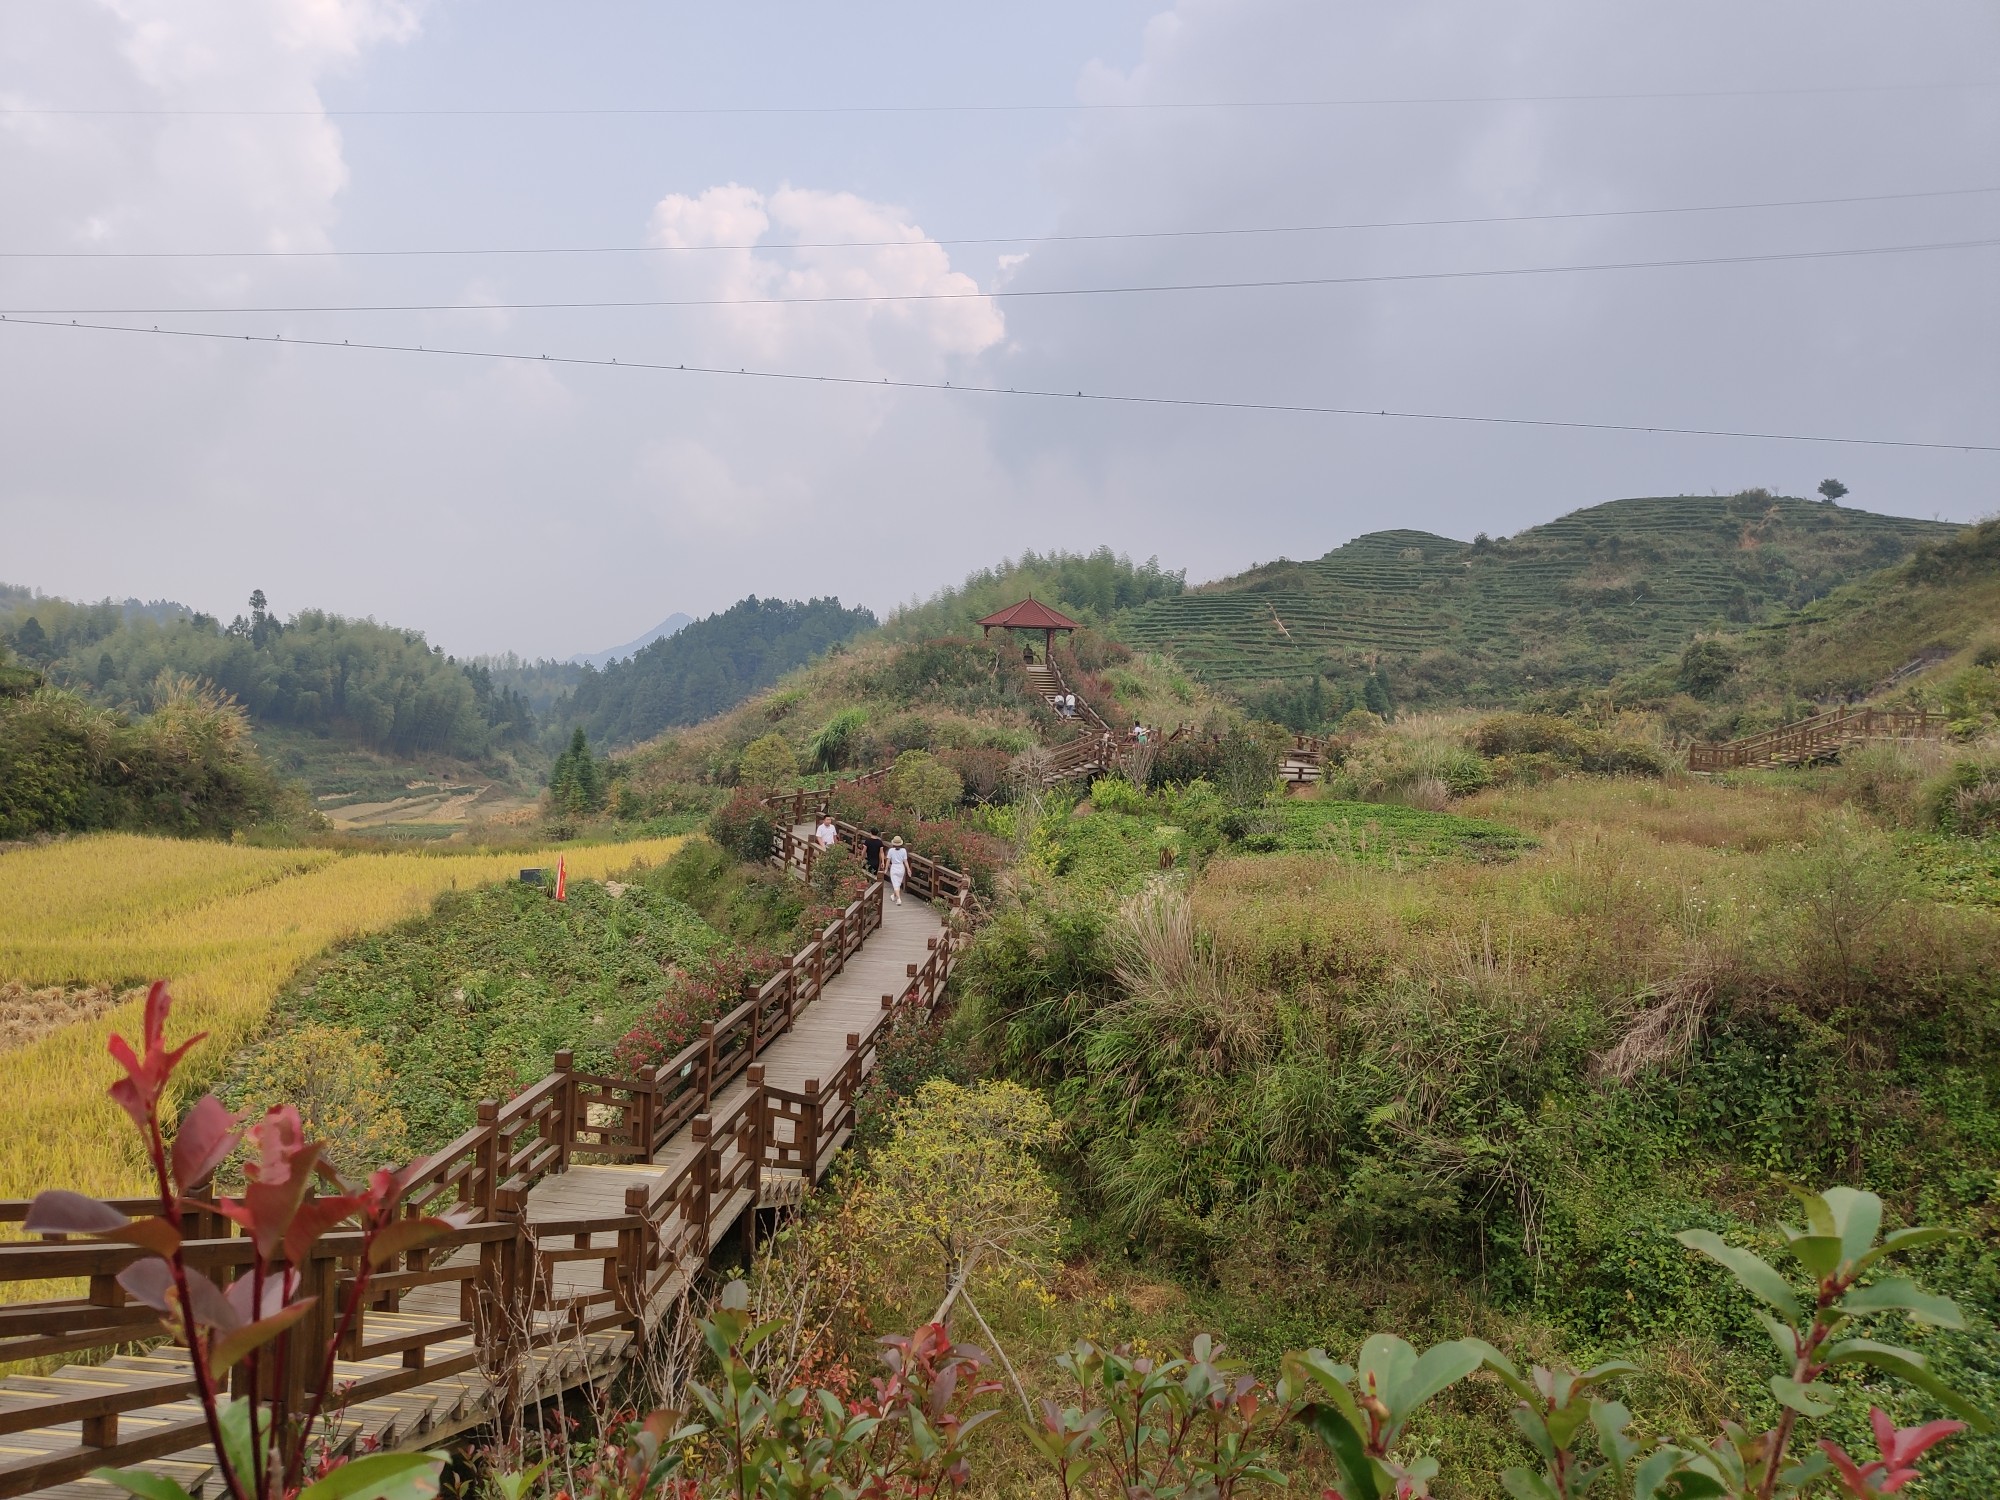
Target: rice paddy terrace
(1584,596)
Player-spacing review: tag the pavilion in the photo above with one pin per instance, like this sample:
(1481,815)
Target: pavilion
(1030,614)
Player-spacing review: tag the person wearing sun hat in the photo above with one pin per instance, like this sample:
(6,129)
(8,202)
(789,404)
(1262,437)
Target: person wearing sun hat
(899,868)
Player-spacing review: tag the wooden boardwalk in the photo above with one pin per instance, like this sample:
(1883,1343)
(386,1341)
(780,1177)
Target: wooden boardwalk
(594,1202)
(1821,737)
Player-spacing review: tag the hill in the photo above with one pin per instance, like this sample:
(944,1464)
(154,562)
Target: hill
(1914,628)
(1574,601)
(1092,588)
(659,632)
(706,668)
(376,687)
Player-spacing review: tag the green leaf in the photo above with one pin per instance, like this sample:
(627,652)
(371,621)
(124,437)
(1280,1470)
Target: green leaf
(1782,1334)
(1900,1240)
(145,1486)
(1900,1294)
(1755,1275)
(1350,1453)
(1857,1218)
(1818,1253)
(1611,1418)
(1802,1398)
(1526,1484)
(234,1420)
(1412,1383)
(516,1486)
(1908,1366)
(381,1476)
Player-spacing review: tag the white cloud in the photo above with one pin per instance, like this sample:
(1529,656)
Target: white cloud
(893,257)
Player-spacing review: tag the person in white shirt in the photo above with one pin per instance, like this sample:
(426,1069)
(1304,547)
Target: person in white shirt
(899,868)
(826,834)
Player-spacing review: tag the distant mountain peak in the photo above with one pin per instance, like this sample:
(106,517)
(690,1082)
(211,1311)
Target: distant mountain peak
(671,624)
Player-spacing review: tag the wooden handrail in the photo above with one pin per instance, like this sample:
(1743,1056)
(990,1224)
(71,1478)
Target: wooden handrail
(1818,736)
(504,1265)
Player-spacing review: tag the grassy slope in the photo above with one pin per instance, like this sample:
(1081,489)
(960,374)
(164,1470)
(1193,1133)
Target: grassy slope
(1579,598)
(905,704)
(473,1000)
(1386,1113)
(1942,604)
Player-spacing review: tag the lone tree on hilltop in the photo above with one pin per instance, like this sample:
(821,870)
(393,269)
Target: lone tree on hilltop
(1830,491)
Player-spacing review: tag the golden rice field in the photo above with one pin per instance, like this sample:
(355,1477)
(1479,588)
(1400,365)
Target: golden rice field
(227,926)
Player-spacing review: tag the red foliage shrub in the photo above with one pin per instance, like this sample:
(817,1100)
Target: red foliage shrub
(706,991)
(947,840)
(744,826)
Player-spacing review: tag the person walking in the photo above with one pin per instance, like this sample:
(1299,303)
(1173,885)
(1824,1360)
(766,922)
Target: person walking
(871,853)
(826,834)
(899,868)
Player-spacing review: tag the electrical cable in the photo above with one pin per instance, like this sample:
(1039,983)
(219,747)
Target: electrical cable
(1356,101)
(1108,398)
(844,298)
(997,239)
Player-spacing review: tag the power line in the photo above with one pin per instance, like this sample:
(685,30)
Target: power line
(845,298)
(999,239)
(1354,101)
(1032,393)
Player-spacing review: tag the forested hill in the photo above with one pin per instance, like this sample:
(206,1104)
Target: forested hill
(1575,601)
(371,685)
(706,668)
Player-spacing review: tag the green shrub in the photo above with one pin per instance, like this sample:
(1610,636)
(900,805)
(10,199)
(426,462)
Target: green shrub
(768,763)
(838,740)
(922,785)
(745,827)
(1966,799)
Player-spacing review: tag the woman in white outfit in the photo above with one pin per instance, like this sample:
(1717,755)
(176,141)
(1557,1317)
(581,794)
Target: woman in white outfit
(899,868)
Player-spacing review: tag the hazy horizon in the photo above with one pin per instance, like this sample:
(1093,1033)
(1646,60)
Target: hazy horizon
(1775,221)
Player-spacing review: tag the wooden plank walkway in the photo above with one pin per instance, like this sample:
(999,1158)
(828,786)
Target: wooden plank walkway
(818,1041)
(608,1248)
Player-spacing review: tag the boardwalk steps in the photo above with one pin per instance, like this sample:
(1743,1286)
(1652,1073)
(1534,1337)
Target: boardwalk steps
(594,1202)
(1821,737)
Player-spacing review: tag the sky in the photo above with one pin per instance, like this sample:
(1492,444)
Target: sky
(216,169)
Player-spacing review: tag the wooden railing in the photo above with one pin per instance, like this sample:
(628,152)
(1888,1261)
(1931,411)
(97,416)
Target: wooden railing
(927,879)
(488,1296)
(1815,738)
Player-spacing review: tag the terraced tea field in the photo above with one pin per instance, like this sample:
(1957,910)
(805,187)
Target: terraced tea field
(1595,592)
(226,925)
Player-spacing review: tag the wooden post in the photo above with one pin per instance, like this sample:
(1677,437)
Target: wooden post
(565,1108)
(630,1285)
(809,1132)
(760,1129)
(698,1131)
(707,1064)
(489,1167)
(751,994)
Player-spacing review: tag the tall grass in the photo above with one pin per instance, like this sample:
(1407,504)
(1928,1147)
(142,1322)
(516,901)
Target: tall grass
(225,925)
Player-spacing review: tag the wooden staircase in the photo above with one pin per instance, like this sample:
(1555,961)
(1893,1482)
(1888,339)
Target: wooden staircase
(1821,737)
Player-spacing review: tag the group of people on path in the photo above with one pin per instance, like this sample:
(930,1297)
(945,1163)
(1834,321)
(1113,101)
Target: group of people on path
(874,853)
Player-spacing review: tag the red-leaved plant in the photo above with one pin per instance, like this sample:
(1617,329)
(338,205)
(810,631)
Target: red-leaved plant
(265,1439)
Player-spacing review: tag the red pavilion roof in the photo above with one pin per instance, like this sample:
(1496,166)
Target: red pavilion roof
(1029,614)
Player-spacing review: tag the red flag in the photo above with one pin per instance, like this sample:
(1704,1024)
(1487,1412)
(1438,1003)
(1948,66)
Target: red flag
(562,877)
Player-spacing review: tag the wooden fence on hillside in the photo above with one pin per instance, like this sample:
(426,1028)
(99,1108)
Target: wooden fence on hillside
(1817,738)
